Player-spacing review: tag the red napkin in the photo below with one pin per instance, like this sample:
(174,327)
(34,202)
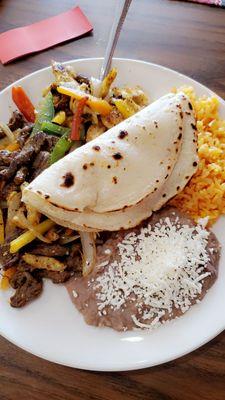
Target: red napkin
(43,34)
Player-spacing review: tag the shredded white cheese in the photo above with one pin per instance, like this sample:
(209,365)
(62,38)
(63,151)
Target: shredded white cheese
(75,293)
(107,251)
(160,269)
(103,264)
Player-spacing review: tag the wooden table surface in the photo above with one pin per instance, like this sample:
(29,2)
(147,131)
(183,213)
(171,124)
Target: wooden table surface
(191,39)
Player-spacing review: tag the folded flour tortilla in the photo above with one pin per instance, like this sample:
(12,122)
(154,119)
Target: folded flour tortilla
(118,179)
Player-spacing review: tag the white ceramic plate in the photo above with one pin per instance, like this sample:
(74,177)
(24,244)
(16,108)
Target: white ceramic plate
(52,328)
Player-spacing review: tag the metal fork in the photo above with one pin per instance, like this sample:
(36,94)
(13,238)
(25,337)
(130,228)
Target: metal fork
(120,15)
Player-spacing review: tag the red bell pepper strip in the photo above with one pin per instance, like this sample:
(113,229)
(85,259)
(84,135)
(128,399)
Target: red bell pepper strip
(77,119)
(23,103)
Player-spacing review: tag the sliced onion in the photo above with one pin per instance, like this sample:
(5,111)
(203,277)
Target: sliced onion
(89,251)
(68,239)
(7,132)
(32,229)
(18,218)
(95,86)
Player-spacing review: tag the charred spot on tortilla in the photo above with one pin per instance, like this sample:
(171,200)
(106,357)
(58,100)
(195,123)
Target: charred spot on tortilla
(92,164)
(190,106)
(47,196)
(39,192)
(180,136)
(187,177)
(195,164)
(117,156)
(193,126)
(156,124)
(169,167)
(157,181)
(180,127)
(96,148)
(164,195)
(68,180)
(181,115)
(122,134)
(166,176)
(187,112)
(61,207)
(85,166)
(178,187)
(108,166)
(114,180)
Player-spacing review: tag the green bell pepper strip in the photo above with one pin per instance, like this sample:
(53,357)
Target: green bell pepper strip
(62,146)
(54,129)
(45,113)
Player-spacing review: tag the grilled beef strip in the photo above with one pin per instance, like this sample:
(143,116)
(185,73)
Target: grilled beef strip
(21,175)
(28,286)
(28,281)
(24,134)
(7,259)
(6,157)
(50,142)
(40,163)
(16,121)
(24,157)
(15,167)
(50,250)
(30,157)
(61,103)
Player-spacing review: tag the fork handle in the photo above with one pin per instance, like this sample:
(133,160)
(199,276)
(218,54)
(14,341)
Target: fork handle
(120,15)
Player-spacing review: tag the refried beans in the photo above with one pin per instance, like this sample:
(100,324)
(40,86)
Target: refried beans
(148,275)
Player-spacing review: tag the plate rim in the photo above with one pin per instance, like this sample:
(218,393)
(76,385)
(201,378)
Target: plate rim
(113,59)
(133,365)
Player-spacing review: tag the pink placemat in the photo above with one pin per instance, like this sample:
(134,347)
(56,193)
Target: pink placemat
(41,35)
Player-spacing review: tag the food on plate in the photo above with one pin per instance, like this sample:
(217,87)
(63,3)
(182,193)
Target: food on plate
(117,180)
(33,248)
(148,275)
(85,183)
(204,196)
